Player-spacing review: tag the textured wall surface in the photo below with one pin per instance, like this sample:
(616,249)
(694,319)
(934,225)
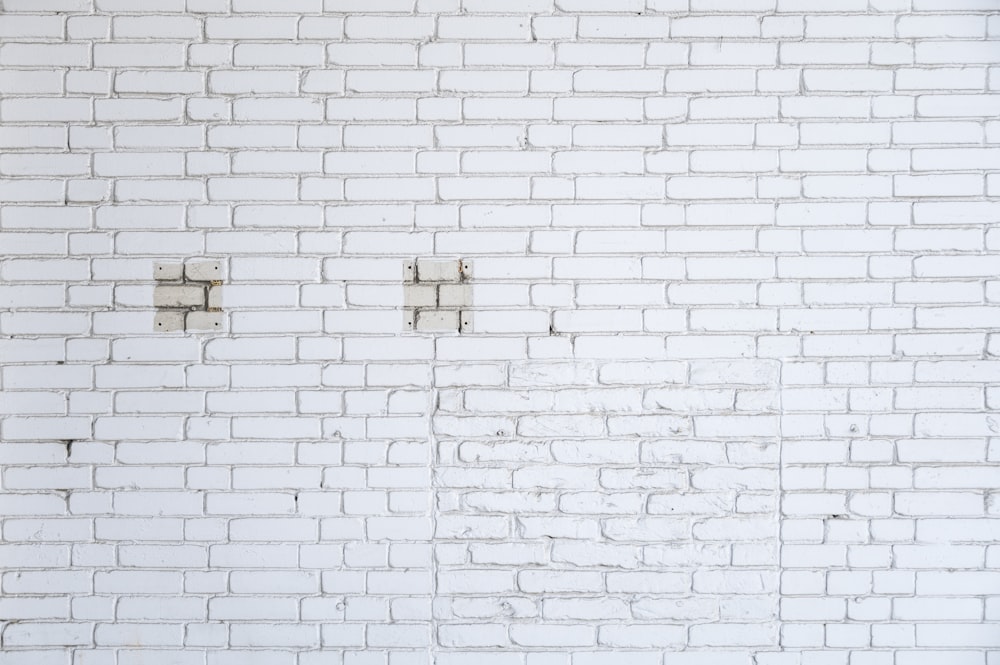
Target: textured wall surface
(500,332)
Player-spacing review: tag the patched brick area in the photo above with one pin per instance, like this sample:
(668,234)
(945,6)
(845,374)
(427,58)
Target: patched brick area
(438,296)
(524,332)
(188,297)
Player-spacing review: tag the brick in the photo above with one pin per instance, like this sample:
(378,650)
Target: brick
(606,378)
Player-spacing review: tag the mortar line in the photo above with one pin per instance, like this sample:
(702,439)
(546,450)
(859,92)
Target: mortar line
(779,501)
(434,463)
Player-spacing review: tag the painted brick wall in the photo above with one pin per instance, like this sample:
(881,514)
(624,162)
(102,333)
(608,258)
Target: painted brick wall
(544,332)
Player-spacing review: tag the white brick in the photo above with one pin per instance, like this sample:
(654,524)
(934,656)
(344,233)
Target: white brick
(605,410)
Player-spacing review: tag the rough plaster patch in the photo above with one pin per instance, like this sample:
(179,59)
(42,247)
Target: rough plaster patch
(214,298)
(179,296)
(466,322)
(168,271)
(435,295)
(434,320)
(205,321)
(438,271)
(203,271)
(454,295)
(185,305)
(168,321)
(420,295)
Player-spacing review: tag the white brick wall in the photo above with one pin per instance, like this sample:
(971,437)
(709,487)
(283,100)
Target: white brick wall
(725,392)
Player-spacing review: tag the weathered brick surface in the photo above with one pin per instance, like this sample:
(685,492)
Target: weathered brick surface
(716,384)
